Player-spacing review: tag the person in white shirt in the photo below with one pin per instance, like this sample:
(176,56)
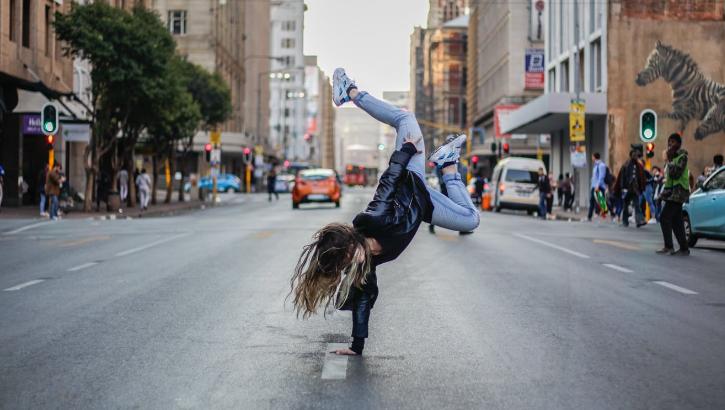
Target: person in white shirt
(123,184)
(143,181)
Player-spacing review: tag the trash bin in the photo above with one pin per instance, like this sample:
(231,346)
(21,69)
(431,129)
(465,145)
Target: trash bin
(204,193)
(114,201)
(486,202)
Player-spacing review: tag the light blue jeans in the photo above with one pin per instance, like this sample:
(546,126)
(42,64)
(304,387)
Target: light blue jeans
(455,211)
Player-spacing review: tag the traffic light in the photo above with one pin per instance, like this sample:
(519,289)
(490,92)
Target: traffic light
(650,149)
(307,137)
(247,150)
(247,158)
(381,147)
(647,125)
(286,163)
(208,148)
(474,162)
(50,142)
(49,118)
(505,148)
(494,147)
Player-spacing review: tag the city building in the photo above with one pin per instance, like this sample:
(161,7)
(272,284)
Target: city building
(613,60)
(33,71)
(288,118)
(357,136)
(505,44)
(319,134)
(441,11)
(257,69)
(213,36)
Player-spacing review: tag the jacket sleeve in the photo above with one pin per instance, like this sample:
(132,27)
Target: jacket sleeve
(391,178)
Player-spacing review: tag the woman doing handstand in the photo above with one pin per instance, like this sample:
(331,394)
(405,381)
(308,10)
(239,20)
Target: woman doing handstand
(347,255)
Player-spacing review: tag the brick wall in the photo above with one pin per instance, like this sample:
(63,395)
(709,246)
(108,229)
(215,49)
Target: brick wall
(682,10)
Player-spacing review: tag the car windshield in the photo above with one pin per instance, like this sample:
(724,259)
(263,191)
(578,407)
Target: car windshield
(316,175)
(523,176)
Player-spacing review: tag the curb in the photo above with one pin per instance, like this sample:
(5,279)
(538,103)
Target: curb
(160,212)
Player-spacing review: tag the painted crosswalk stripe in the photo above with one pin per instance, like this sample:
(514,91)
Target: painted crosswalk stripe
(551,245)
(25,228)
(335,367)
(619,268)
(150,245)
(85,265)
(23,285)
(677,288)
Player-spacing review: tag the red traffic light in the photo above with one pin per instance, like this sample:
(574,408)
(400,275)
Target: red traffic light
(650,146)
(474,159)
(50,139)
(286,163)
(505,147)
(432,164)
(247,150)
(307,136)
(208,147)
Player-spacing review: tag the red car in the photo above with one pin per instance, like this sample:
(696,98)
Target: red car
(316,185)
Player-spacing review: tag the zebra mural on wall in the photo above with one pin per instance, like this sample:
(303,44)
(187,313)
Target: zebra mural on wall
(694,94)
(714,121)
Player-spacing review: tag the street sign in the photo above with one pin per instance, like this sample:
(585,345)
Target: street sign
(215,137)
(576,121)
(215,163)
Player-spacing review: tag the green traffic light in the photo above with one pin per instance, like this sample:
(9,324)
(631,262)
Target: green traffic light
(648,133)
(49,126)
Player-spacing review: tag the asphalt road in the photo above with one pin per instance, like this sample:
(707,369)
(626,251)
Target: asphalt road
(188,312)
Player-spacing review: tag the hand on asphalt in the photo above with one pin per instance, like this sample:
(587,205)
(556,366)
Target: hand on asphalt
(343,351)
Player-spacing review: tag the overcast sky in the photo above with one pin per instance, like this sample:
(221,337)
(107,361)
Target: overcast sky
(369,38)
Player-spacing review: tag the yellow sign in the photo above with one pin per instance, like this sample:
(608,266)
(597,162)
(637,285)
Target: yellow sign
(258,150)
(577,131)
(215,137)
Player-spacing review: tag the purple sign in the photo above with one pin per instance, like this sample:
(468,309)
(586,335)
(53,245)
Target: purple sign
(31,124)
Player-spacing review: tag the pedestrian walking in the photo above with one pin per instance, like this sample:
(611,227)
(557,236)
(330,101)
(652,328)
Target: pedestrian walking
(560,189)
(123,184)
(568,189)
(52,188)
(597,184)
(479,186)
(676,192)
(718,163)
(543,184)
(630,184)
(271,184)
(348,255)
(42,175)
(144,184)
(2,182)
(103,184)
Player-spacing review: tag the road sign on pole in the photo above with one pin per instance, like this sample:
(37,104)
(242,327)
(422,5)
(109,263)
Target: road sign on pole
(216,160)
(215,137)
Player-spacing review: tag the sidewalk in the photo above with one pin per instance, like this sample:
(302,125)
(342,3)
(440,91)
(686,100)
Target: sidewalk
(161,209)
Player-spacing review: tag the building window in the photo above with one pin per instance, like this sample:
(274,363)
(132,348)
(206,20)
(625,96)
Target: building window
(177,22)
(552,81)
(12,21)
(288,43)
(47,30)
(289,61)
(288,26)
(450,11)
(596,69)
(564,84)
(26,23)
(454,111)
(454,76)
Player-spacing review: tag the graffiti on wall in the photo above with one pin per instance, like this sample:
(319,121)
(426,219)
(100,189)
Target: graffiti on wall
(695,97)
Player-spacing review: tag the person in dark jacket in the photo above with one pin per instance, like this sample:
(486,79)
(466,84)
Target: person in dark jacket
(271,182)
(348,255)
(544,187)
(630,183)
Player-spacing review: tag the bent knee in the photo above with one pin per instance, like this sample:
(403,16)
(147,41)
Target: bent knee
(405,116)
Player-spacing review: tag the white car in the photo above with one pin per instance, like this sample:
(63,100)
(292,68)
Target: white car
(514,184)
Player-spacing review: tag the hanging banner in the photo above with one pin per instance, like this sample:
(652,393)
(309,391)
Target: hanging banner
(534,79)
(578,156)
(576,121)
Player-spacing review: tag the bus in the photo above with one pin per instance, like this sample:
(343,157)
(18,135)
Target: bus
(358,175)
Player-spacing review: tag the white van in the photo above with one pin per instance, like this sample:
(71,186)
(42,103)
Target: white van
(514,184)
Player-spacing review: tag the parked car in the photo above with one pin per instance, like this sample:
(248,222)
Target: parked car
(225,183)
(704,215)
(284,183)
(316,185)
(514,184)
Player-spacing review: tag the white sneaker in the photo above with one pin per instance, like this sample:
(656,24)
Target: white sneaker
(340,84)
(450,151)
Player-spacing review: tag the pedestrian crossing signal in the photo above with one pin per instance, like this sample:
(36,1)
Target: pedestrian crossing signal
(647,125)
(49,118)
(650,149)
(50,139)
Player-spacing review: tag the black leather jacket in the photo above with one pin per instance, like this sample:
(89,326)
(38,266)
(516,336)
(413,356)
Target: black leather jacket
(400,204)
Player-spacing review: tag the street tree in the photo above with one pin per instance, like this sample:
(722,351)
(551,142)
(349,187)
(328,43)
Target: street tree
(129,54)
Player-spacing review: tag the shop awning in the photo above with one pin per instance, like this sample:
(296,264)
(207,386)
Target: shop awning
(550,113)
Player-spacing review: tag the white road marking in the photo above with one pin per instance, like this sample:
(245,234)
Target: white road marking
(335,367)
(25,228)
(677,288)
(569,251)
(85,265)
(23,285)
(150,245)
(619,268)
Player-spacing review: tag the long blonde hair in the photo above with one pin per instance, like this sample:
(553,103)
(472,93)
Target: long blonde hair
(334,256)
